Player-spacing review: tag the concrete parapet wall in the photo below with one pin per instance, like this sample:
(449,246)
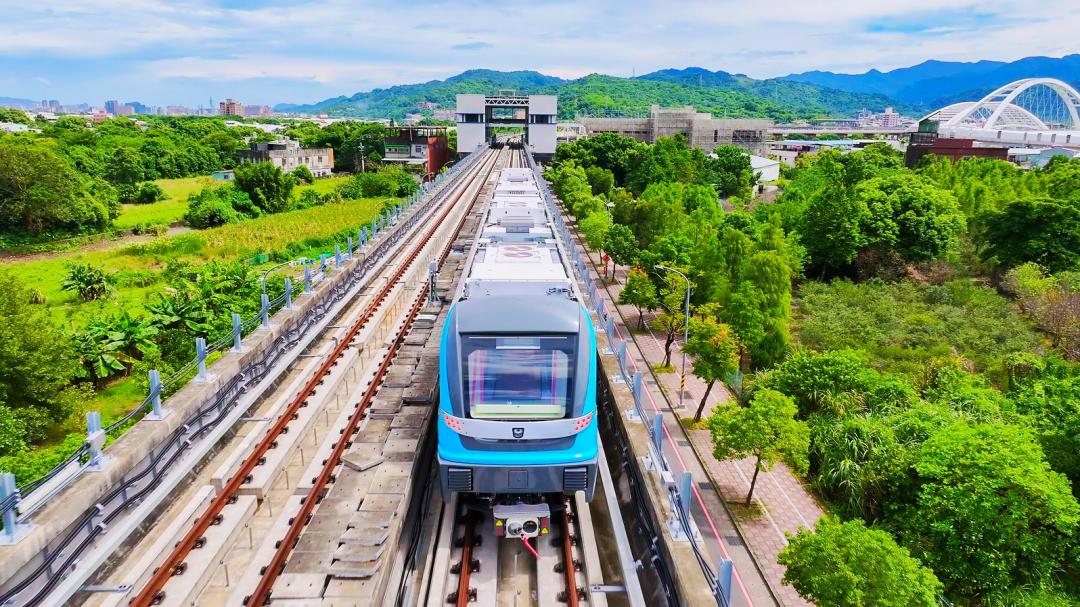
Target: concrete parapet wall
(147,436)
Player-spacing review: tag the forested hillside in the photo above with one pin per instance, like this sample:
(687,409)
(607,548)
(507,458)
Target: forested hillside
(932,84)
(715,92)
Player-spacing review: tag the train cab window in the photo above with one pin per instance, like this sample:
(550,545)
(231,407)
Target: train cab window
(518,377)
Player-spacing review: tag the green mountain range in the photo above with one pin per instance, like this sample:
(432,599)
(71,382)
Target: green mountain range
(720,93)
(933,84)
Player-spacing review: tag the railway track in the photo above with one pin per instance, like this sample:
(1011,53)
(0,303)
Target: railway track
(482,570)
(403,281)
(285,506)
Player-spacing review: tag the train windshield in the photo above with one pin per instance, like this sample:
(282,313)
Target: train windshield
(518,377)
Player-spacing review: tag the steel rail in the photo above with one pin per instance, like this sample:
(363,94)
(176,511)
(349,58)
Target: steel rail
(172,563)
(569,571)
(315,493)
(463,596)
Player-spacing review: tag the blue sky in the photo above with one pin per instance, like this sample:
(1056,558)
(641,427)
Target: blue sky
(272,51)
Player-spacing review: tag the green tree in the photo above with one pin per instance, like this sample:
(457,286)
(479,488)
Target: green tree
(848,565)
(857,462)
(126,166)
(149,193)
(672,318)
(12,429)
(303,174)
(39,190)
(601,180)
(640,292)
(734,175)
(215,206)
(99,353)
(37,362)
(716,354)
(910,216)
(818,381)
(743,313)
(266,185)
(771,277)
(990,513)
(660,212)
(605,150)
(595,228)
(622,245)
(1063,179)
(14,115)
(765,430)
(225,145)
(1049,391)
(1043,231)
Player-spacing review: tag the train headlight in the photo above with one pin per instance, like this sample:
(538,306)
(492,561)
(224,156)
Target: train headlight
(582,422)
(454,423)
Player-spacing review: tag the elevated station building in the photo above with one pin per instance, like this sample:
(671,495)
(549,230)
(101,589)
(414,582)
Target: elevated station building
(479,115)
(701,130)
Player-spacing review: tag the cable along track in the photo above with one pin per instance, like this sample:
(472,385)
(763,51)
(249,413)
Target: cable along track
(153,591)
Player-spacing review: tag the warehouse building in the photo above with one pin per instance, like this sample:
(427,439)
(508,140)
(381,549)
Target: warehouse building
(701,130)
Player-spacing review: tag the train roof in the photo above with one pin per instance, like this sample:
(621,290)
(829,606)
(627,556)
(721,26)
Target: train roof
(517,252)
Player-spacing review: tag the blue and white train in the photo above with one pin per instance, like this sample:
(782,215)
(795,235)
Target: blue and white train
(517,363)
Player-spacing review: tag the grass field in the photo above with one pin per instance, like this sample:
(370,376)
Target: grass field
(233,241)
(172,209)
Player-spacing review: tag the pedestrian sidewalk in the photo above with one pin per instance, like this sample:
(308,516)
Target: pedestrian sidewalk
(785,503)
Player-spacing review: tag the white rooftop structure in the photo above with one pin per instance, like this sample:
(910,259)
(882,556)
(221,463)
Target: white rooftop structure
(516,252)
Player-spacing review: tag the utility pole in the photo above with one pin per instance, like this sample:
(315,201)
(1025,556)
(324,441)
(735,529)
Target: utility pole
(362,168)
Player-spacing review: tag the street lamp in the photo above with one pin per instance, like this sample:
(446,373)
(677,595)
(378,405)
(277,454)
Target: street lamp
(686,331)
(293,263)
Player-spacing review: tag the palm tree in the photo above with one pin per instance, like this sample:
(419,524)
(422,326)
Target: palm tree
(135,336)
(180,309)
(89,282)
(100,355)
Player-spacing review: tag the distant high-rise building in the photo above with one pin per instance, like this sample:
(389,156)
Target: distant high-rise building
(111,106)
(139,107)
(230,107)
(178,110)
(257,110)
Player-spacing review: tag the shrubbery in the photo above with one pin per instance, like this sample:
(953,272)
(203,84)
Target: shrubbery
(215,206)
(390,181)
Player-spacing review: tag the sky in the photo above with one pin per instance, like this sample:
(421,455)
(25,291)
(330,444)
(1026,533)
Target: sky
(271,51)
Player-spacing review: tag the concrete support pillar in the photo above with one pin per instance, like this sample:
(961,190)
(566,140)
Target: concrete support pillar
(95,439)
(237,332)
(9,503)
(200,355)
(156,410)
(724,570)
(264,313)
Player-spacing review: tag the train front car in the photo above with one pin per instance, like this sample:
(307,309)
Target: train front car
(517,363)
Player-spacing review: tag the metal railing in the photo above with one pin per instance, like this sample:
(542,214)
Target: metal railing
(684,493)
(91,454)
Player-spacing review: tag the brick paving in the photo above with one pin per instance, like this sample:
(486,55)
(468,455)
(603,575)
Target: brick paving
(784,502)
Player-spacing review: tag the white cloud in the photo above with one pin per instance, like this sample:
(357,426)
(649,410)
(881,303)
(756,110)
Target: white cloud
(340,45)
